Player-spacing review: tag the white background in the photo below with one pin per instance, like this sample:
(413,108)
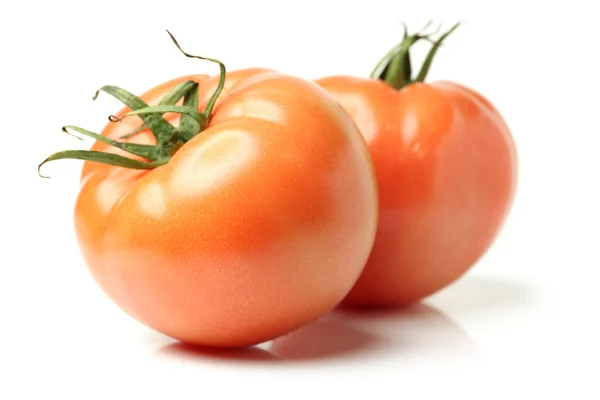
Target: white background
(522,323)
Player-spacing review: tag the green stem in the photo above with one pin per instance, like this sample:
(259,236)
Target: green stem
(398,71)
(169,139)
(158,126)
(395,67)
(187,123)
(194,113)
(178,92)
(170,99)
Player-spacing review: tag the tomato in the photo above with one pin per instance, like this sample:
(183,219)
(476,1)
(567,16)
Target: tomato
(257,225)
(446,167)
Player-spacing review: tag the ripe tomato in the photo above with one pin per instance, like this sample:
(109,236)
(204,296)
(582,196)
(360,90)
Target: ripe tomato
(446,170)
(252,228)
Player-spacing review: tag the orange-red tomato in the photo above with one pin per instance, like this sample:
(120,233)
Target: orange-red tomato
(446,170)
(258,225)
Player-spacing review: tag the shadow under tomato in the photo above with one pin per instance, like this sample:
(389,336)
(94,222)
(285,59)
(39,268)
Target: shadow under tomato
(367,333)
(419,329)
(327,338)
(181,350)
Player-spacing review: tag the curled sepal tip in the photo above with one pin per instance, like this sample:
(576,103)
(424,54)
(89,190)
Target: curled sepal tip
(223,71)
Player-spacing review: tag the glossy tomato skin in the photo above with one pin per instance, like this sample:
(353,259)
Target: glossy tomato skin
(258,225)
(446,168)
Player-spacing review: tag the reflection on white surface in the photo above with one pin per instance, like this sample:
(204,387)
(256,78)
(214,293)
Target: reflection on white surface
(418,334)
(473,294)
(418,331)
(399,334)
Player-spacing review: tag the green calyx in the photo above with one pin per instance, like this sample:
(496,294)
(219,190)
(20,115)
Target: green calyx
(168,137)
(395,68)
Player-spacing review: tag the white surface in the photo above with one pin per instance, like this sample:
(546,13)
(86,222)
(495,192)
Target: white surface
(522,323)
